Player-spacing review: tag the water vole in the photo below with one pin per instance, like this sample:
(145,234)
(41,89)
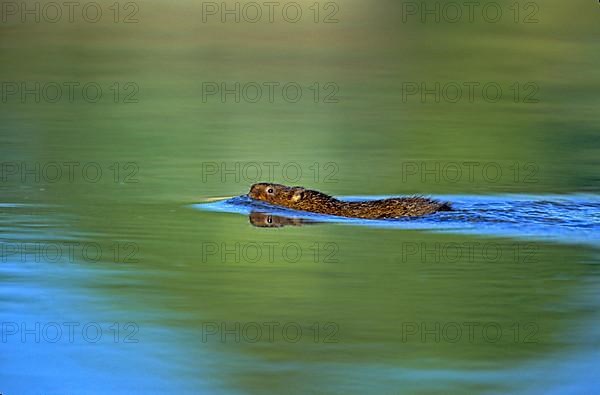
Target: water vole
(299,198)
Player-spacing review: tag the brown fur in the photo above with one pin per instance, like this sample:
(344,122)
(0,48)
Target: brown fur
(299,198)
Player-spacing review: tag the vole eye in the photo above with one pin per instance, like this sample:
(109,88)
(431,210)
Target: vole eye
(270,190)
(269,220)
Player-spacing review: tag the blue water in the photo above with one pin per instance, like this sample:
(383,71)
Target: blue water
(171,291)
(558,218)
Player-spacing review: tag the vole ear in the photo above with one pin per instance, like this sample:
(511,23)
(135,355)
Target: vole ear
(298,195)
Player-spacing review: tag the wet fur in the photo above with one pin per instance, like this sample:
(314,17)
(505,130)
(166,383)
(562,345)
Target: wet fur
(299,198)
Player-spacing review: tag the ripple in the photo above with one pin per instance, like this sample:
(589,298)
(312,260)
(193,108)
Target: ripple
(558,218)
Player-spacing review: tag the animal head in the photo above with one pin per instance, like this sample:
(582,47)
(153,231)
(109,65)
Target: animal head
(277,194)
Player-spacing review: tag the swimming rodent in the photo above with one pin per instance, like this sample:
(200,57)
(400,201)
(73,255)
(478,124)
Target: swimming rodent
(300,198)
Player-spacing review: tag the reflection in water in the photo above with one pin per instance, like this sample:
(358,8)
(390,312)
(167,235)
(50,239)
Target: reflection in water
(264,220)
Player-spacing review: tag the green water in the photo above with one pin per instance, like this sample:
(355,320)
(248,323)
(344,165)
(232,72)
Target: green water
(175,272)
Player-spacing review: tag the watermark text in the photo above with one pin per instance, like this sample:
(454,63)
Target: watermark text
(469,332)
(270,12)
(68,332)
(252,172)
(468,252)
(68,11)
(68,252)
(270,92)
(29,92)
(469,92)
(526,12)
(470,172)
(271,252)
(270,331)
(68,172)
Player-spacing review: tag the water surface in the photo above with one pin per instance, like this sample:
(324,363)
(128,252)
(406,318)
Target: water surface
(132,254)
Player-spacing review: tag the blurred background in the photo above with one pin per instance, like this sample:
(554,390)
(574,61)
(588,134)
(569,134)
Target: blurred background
(157,105)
